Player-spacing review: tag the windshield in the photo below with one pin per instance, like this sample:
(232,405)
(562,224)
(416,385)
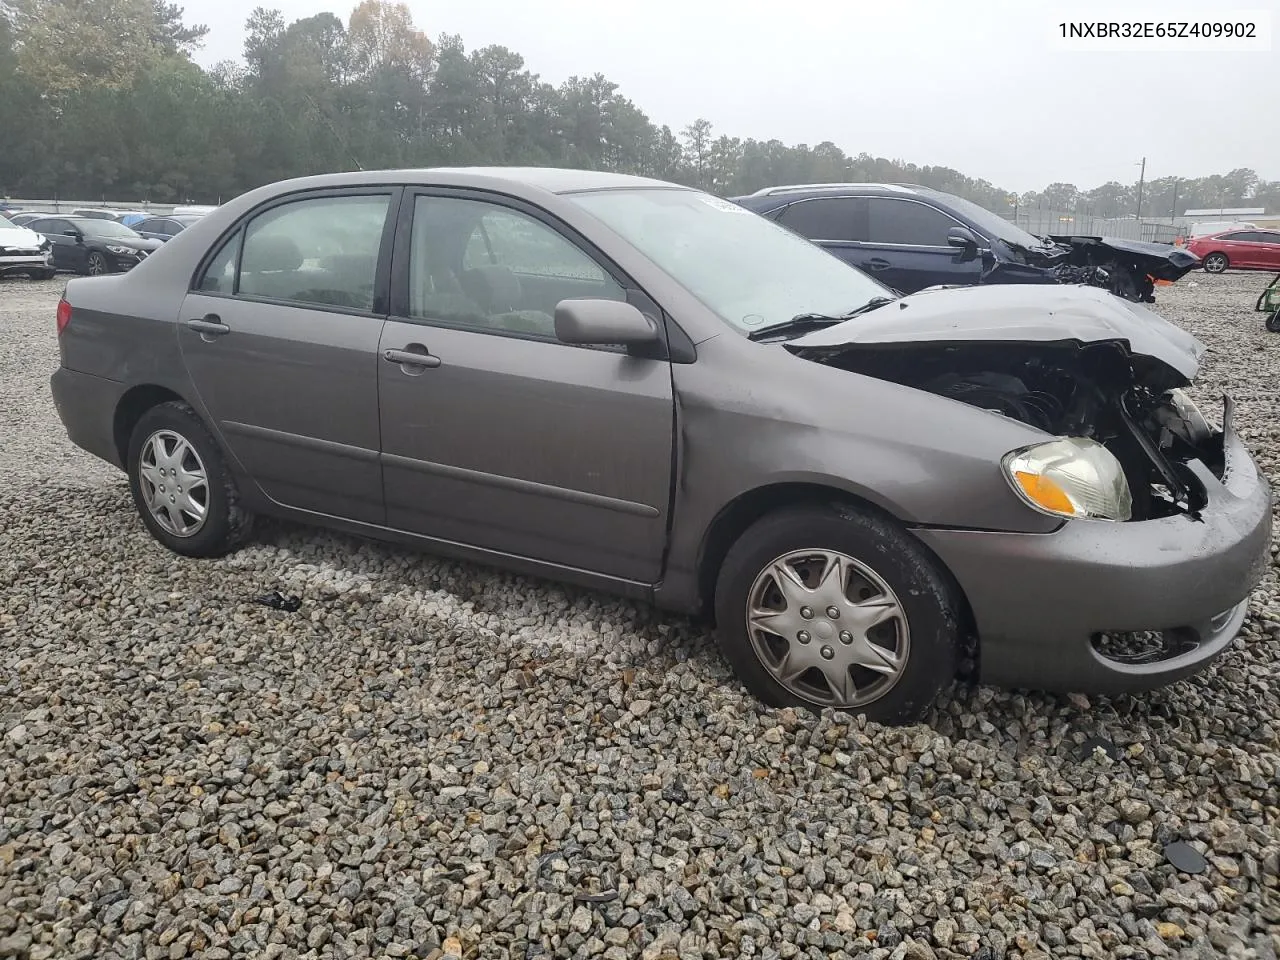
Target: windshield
(992,224)
(748,270)
(106,228)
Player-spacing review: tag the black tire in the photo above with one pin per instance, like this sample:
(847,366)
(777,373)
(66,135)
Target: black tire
(46,274)
(226,523)
(925,594)
(96,265)
(1216,262)
(1273,322)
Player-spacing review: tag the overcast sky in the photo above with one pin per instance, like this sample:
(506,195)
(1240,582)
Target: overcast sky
(980,86)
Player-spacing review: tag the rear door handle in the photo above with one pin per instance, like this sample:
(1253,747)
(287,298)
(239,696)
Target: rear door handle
(210,324)
(411,358)
(875,263)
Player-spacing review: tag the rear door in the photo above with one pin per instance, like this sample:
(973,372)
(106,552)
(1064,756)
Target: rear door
(1269,250)
(1237,248)
(502,437)
(1258,252)
(837,224)
(280,336)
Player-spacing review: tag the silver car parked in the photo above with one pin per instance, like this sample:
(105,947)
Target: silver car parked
(645,389)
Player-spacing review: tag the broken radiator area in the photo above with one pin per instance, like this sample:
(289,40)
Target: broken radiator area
(1126,282)
(1065,389)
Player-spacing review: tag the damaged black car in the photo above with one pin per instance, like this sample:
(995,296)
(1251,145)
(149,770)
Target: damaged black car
(911,238)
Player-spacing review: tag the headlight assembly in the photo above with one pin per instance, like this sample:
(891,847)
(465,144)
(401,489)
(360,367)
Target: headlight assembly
(1071,477)
(128,251)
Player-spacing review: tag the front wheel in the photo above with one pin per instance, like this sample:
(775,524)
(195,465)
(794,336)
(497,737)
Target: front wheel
(1273,322)
(1215,263)
(181,486)
(96,265)
(836,607)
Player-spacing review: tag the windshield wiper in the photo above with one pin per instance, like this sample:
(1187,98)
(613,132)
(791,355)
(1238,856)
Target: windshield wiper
(804,322)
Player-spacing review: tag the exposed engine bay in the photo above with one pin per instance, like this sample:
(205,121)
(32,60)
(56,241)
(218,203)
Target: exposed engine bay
(1126,268)
(1131,404)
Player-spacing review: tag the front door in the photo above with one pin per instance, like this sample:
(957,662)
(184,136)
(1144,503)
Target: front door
(907,246)
(283,350)
(501,437)
(68,253)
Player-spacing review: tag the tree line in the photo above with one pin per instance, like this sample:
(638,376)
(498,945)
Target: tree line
(101,99)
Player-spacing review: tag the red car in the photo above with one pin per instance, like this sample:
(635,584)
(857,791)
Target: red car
(1243,249)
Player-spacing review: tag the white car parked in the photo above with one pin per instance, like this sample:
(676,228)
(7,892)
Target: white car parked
(24,251)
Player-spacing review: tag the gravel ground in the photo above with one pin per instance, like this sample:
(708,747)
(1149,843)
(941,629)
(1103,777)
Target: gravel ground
(436,757)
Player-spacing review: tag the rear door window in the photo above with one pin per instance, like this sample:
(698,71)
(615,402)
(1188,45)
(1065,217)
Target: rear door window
(840,219)
(320,251)
(220,275)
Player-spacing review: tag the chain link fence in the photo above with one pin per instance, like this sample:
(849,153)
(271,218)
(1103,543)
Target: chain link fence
(1081,223)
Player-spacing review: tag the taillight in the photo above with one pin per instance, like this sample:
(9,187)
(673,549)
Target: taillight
(64,315)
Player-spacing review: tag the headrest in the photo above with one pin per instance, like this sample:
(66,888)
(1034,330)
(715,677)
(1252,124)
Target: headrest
(496,289)
(271,253)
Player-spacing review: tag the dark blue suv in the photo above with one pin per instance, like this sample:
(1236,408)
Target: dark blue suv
(911,237)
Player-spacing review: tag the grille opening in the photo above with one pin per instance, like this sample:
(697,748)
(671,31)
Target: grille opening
(1140,647)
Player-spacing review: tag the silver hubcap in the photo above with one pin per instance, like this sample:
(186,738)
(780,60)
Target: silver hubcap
(828,628)
(174,484)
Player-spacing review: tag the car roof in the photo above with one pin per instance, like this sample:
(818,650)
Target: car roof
(770,198)
(74,220)
(1223,233)
(550,179)
(890,189)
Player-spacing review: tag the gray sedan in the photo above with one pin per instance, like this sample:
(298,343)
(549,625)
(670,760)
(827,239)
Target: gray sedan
(645,389)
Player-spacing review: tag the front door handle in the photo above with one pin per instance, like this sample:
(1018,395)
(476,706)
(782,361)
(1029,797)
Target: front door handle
(411,358)
(875,263)
(209,325)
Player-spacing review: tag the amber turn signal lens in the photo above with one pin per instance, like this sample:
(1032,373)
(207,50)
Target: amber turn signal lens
(1045,492)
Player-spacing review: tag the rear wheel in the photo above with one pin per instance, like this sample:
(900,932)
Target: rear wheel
(42,274)
(835,607)
(1273,322)
(181,486)
(1215,263)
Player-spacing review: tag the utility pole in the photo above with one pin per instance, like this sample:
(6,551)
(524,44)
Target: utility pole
(1173,211)
(1141,178)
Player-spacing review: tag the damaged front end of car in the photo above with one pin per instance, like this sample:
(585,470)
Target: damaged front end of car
(1130,269)
(1096,391)
(1102,373)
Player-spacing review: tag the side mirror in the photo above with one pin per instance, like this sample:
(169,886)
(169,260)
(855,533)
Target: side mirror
(602,322)
(75,235)
(961,237)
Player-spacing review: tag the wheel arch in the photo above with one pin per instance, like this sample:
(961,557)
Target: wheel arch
(135,402)
(737,515)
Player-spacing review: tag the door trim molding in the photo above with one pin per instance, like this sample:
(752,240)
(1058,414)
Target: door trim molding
(331,447)
(522,486)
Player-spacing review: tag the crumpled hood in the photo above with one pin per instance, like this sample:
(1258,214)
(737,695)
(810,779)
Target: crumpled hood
(17,237)
(1161,260)
(1022,313)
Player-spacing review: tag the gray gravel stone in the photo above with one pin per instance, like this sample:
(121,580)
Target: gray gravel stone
(433,753)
